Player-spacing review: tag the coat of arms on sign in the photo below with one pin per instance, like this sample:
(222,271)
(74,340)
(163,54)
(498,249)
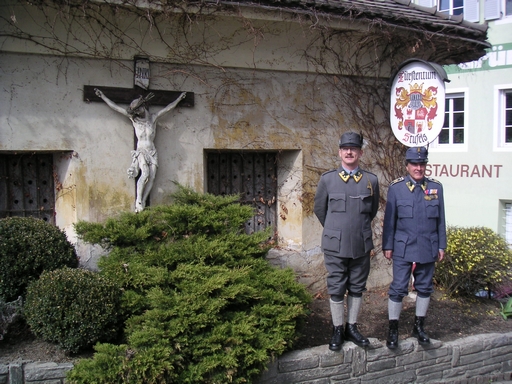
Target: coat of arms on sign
(415,108)
(417,102)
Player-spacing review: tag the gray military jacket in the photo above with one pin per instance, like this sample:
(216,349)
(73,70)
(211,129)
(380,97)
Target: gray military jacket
(346,210)
(414,222)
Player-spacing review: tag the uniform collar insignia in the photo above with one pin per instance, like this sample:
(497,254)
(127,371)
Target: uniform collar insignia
(411,185)
(345,176)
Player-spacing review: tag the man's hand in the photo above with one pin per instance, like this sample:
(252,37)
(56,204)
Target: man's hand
(182,96)
(440,255)
(98,92)
(388,254)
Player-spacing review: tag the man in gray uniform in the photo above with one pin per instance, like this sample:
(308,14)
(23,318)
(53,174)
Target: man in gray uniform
(414,232)
(346,201)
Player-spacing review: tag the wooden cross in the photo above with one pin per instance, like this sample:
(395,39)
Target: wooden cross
(127,95)
(140,88)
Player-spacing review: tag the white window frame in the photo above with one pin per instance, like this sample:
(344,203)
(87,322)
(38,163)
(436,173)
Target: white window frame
(449,11)
(471,8)
(462,147)
(505,217)
(499,118)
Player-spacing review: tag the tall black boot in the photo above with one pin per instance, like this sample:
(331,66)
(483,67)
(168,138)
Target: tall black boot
(392,341)
(419,332)
(337,338)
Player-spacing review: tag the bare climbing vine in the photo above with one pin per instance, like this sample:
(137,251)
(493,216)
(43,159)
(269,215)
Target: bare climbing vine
(355,53)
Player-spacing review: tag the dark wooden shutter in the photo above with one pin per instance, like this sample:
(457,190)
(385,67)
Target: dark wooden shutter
(252,175)
(26,186)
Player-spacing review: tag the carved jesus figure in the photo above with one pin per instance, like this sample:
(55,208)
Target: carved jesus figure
(144,158)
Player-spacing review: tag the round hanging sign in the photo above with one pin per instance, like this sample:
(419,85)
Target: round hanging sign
(417,102)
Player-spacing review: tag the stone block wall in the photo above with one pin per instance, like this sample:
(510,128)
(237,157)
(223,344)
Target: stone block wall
(475,359)
(32,373)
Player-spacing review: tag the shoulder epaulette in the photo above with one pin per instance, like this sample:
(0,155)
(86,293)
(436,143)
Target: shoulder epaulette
(433,180)
(325,173)
(397,181)
(370,173)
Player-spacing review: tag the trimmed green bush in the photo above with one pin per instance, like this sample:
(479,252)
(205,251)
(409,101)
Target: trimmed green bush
(74,308)
(201,303)
(476,259)
(29,246)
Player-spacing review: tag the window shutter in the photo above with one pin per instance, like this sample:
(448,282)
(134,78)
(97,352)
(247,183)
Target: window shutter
(492,9)
(508,223)
(426,3)
(471,10)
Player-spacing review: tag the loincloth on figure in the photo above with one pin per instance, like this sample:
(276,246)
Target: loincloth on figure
(142,156)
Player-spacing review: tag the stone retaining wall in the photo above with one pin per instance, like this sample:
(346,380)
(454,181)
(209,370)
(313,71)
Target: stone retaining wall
(475,359)
(40,373)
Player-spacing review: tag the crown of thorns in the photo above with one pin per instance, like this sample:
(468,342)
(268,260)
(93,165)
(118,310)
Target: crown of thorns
(141,101)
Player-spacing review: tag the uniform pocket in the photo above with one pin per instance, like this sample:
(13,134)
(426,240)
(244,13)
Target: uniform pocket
(404,208)
(368,240)
(331,241)
(433,209)
(337,202)
(366,204)
(400,244)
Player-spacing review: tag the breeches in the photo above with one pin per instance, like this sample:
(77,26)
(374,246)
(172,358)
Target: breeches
(423,274)
(347,275)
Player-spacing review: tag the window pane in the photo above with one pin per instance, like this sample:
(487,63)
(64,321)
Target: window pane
(458,104)
(453,129)
(446,123)
(508,135)
(508,100)
(458,136)
(458,11)
(444,137)
(458,119)
(508,7)
(508,117)
(458,3)
(444,5)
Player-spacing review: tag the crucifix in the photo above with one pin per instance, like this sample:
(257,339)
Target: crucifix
(144,157)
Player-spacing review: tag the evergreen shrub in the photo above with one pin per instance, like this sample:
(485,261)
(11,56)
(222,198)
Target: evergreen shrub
(29,246)
(200,302)
(476,259)
(74,308)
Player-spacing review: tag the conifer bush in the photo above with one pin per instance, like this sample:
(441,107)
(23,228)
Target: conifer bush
(201,304)
(29,246)
(476,259)
(74,308)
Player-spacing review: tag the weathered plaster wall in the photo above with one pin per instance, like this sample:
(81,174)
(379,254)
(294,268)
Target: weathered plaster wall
(293,113)
(243,109)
